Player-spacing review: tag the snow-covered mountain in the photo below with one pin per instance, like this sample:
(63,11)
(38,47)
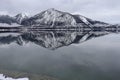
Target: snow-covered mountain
(53,18)
(50,18)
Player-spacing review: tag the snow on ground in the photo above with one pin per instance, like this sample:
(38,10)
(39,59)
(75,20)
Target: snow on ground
(7,25)
(2,77)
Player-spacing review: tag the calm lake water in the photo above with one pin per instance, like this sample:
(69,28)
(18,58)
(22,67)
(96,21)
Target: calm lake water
(63,55)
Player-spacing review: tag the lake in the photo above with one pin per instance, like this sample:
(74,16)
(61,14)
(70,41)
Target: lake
(64,55)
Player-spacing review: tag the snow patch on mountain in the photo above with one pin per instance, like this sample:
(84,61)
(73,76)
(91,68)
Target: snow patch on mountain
(84,19)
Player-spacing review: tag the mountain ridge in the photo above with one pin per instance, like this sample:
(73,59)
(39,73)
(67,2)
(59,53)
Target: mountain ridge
(52,18)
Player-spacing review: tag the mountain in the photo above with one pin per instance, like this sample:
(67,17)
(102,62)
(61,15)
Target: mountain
(50,18)
(54,18)
(20,17)
(7,21)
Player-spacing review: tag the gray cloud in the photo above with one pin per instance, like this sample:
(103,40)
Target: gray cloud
(107,10)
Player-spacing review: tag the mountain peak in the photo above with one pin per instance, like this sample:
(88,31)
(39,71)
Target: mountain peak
(51,17)
(20,17)
(51,9)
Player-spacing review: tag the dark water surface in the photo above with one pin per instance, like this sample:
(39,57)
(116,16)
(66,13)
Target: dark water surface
(63,55)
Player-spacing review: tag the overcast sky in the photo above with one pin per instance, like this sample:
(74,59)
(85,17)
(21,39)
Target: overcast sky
(104,10)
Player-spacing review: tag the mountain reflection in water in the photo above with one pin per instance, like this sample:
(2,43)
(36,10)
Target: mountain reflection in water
(50,38)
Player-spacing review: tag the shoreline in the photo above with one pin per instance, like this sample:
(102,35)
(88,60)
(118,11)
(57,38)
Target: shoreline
(16,75)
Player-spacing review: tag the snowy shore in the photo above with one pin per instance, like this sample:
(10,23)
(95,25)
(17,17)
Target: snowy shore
(3,77)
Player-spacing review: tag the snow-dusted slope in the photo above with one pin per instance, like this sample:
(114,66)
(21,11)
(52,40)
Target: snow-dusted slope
(2,77)
(20,17)
(90,22)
